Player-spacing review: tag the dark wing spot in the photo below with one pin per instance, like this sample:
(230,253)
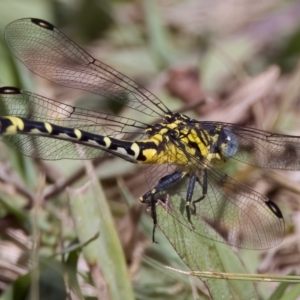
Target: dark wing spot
(275,209)
(10,90)
(42,23)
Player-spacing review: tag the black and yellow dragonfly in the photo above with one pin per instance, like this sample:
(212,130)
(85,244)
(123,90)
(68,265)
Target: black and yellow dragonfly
(184,155)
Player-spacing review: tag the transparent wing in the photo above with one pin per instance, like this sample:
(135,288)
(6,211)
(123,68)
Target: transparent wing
(231,212)
(46,51)
(262,148)
(50,149)
(242,216)
(31,106)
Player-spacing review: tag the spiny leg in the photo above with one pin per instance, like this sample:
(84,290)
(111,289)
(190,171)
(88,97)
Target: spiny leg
(204,189)
(154,217)
(163,184)
(189,196)
(164,203)
(190,192)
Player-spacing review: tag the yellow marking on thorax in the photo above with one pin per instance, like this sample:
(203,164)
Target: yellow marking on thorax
(171,154)
(172,125)
(205,150)
(156,139)
(193,137)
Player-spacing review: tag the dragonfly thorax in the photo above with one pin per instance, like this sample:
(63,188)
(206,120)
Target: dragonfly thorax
(178,138)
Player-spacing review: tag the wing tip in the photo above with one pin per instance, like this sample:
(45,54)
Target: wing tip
(9,90)
(42,23)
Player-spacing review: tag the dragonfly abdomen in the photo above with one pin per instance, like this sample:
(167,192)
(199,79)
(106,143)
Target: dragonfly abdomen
(12,125)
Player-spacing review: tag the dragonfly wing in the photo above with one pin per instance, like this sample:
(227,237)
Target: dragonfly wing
(268,150)
(46,51)
(50,149)
(242,216)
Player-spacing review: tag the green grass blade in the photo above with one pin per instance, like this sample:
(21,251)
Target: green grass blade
(91,215)
(200,253)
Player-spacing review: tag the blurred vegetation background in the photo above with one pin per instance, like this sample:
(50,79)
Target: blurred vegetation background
(74,230)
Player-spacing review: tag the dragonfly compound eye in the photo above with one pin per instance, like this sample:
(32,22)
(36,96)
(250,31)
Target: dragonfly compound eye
(230,145)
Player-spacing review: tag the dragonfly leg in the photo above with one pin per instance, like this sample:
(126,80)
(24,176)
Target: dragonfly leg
(163,184)
(204,190)
(189,196)
(154,217)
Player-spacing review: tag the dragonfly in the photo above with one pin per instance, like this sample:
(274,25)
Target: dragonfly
(184,156)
